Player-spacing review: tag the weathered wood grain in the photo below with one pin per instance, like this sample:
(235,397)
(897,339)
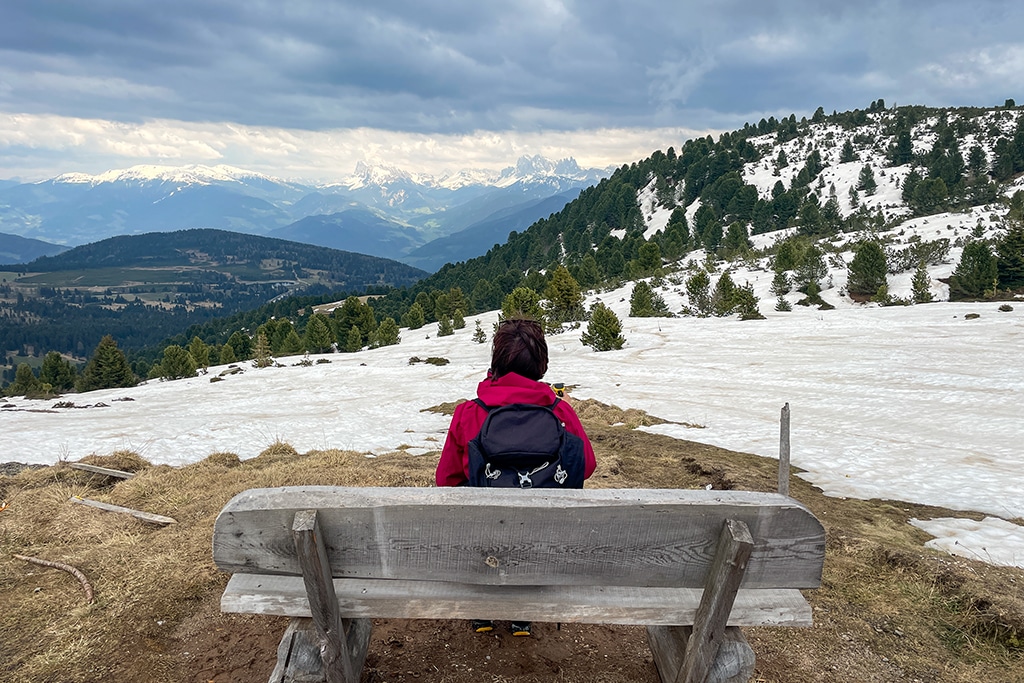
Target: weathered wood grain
(95,469)
(298,655)
(610,537)
(784,451)
(286,596)
(734,662)
(138,514)
(734,546)
(323,604)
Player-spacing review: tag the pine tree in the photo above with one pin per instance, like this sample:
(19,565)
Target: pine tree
(745,302)
(481,297)
(930,195)
(589,274)
(479,336)
(723,300)
(413,318)
(867,270)
(25,382)
(458,319)
(227,355)
(782,304)
(426,304)
(386,334)
(319,335)
(57,372)
(604,331)
(910,185)
(866,180)
(292,345)
(812,268)
(976,273)
(354,312)
(522,302)
(177,363)
(648,261)
(456,302)
(675,239)
(781,161)
(241,345)
(698,288)
(736,240)
(563,296)
(921,285)
(1010,252)
(442,309)
(353,340)
(781,284)
(107,369)
(848,154)
(445,328)
(261,357)
(200,353)
(903,152)
(644,302)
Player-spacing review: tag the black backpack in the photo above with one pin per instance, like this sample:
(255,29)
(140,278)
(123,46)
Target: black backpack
(523,445)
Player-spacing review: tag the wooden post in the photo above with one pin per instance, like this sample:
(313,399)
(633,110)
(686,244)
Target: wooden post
(734,547)
(106,471)
(734,662)
(323,602)
(137,514)
(784,451)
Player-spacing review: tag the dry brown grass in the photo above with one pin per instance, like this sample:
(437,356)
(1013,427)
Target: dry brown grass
(888,609)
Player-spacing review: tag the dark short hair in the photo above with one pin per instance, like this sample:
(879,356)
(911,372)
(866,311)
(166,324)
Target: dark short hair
(519,347)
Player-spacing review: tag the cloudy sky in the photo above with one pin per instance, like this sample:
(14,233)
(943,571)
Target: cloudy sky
(304,88)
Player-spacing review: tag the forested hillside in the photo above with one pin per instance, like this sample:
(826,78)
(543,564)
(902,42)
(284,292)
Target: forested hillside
(866,170)
(142,289)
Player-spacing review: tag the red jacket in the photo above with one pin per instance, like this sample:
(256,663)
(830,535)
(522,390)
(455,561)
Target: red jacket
(453,468)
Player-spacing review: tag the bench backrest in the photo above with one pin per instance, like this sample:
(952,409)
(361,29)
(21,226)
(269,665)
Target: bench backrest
(595,537)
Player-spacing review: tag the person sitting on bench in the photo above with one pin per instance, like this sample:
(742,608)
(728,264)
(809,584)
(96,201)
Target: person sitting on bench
(519,359)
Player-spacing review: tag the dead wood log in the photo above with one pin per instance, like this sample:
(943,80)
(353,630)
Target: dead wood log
(66,567)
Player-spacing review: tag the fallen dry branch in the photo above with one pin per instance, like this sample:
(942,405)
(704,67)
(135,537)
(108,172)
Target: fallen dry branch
(66,567)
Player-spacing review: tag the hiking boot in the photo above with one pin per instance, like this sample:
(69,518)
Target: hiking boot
(483,625)
(521,628)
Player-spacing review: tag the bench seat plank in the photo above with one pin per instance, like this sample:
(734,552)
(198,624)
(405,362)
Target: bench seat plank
(609,537)
(358,598)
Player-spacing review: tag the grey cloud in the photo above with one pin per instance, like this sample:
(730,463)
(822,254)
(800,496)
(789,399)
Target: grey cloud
(464,65)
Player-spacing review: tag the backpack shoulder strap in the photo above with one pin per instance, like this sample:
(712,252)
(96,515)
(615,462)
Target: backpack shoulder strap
(556,402)
(483,405)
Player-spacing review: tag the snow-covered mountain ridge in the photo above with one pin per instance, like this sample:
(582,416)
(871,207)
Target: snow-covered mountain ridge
(77,208)
(184,175)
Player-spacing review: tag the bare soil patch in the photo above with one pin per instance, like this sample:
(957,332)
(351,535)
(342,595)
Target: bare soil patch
(888,609)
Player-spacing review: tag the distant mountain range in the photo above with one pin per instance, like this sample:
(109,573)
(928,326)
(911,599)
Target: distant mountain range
(17,249)
(145,288)
(481,236)
(378,210)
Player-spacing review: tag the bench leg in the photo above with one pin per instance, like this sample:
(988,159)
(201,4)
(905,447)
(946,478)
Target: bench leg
(734,662)
(338,637)
(298,654)
(720,587)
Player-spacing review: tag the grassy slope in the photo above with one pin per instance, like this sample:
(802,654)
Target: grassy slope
(888,609)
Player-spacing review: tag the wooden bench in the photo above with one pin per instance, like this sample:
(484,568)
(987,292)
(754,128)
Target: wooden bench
(692,566)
